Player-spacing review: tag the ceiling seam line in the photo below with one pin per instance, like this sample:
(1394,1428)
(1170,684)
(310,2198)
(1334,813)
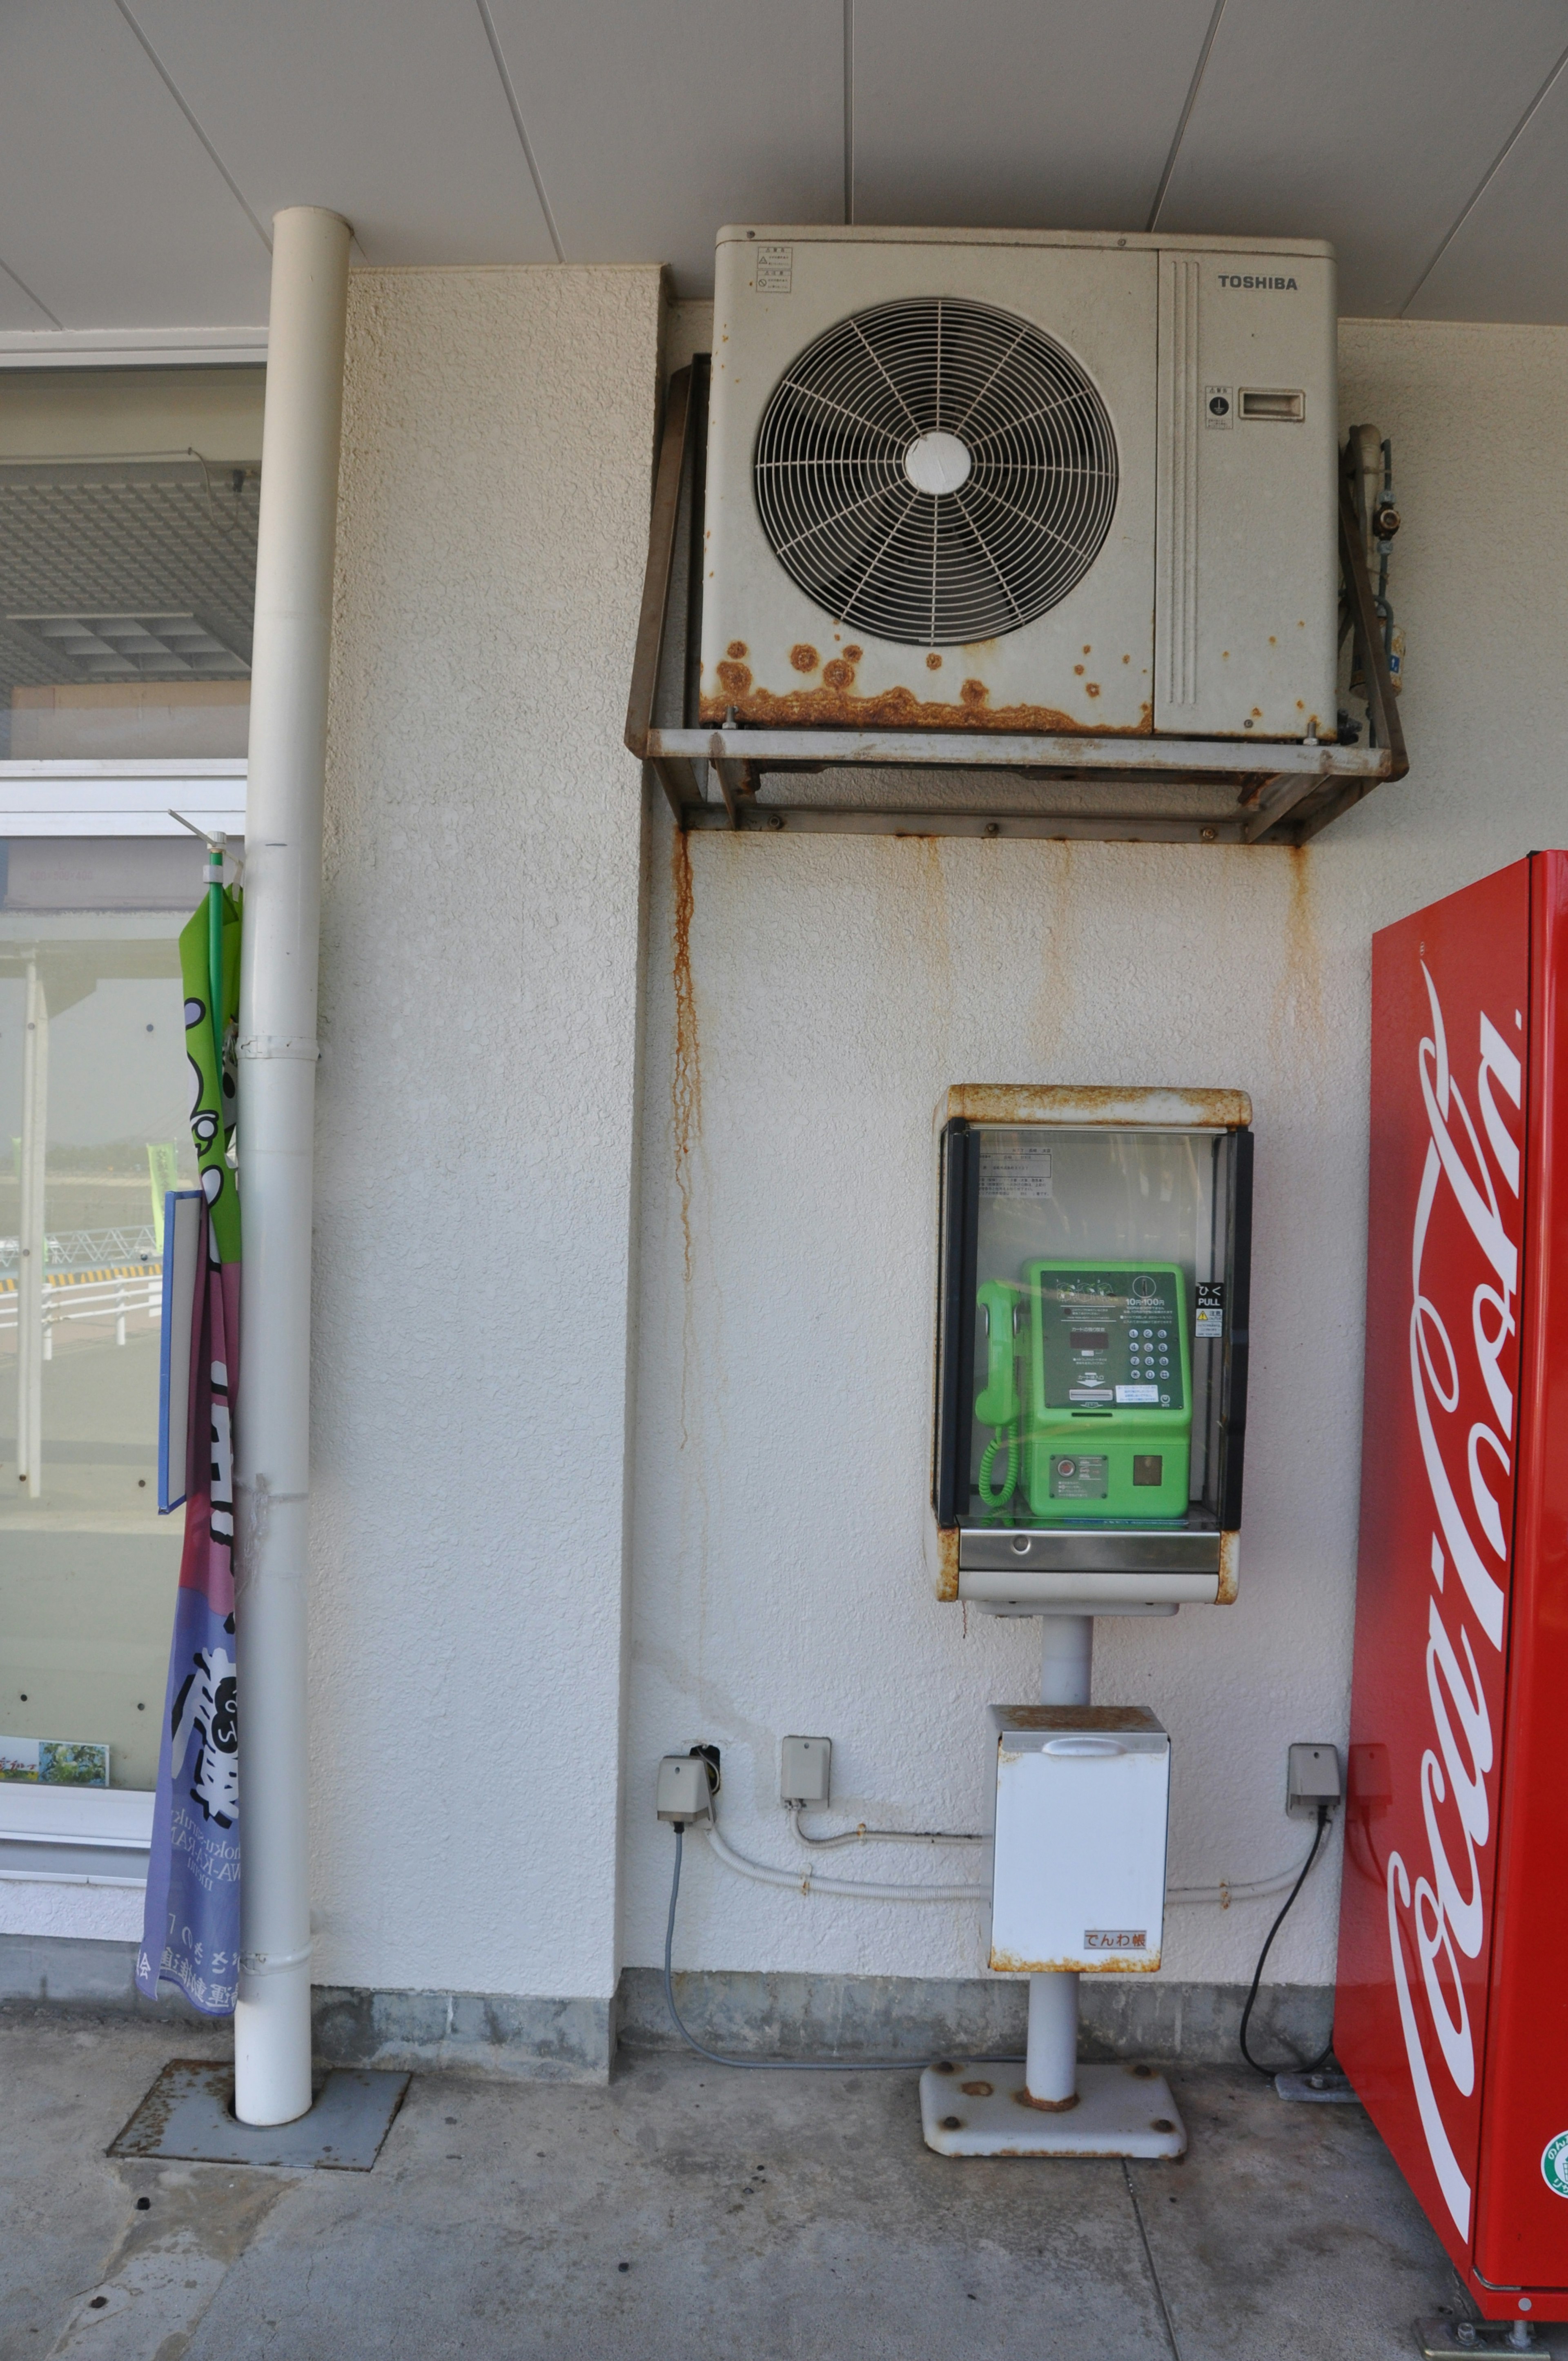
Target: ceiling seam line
(1493,170)
(27,292)
(1198,71)
(849,114)
(169,84)
(520,127)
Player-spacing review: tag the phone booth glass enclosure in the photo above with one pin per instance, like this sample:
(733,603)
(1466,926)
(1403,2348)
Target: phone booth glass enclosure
(1093,1340)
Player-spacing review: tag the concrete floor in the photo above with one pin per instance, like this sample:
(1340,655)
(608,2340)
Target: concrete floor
(688,2214)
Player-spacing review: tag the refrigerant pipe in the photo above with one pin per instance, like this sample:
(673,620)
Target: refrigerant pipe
(301,430)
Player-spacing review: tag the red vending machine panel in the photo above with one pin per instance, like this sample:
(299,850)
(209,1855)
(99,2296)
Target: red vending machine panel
(1451,2017)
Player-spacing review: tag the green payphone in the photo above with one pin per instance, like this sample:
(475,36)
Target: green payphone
(1091,1344)
(1088,1391)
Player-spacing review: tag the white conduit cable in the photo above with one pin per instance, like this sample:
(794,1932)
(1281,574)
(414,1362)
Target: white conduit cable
(863,1835)
(807,1881)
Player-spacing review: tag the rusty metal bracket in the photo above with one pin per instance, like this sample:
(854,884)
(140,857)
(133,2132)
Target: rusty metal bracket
(1283,792)
(676,775)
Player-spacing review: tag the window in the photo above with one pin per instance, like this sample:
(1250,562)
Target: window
(128,508)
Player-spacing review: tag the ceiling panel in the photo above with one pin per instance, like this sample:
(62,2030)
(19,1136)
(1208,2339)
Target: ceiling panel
(1369,122)
(113,213)
(1509,260)
(653,123)
(1008,115)
(394,115)
(18,309)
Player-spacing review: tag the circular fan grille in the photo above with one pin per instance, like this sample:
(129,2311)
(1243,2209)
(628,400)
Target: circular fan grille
(936,471)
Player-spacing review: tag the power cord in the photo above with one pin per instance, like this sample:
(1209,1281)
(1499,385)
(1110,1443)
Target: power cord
(1291,2066)
(762,2065)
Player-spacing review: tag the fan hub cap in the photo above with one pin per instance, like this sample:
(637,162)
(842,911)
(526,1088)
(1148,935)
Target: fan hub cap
(938,463)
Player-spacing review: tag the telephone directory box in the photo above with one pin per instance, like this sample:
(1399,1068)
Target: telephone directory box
(1092,1345)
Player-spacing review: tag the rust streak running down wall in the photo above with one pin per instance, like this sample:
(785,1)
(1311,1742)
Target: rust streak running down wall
(1298,1025)
(685,1082)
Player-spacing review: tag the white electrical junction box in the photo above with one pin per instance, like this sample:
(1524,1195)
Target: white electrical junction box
(1029,481)
(1082,1795)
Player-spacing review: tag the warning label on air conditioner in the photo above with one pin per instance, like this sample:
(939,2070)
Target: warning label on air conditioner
(775,266)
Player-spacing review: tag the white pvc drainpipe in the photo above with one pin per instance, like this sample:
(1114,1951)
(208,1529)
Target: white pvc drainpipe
(302,432)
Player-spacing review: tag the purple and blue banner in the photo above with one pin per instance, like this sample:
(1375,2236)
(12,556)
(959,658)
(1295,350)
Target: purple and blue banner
(191,1930)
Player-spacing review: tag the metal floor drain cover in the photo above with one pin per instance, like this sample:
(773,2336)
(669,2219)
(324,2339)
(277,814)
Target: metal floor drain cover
(188,2115)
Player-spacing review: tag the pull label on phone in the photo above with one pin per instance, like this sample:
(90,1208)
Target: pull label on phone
(1211,1308)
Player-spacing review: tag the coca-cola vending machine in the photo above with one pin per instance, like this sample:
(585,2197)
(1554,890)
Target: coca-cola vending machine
(1451,2014)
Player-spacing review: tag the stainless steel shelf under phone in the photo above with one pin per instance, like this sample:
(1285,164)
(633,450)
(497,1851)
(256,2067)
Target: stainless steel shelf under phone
(1099,1549)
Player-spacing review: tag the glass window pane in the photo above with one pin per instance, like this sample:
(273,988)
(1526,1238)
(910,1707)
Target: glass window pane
(128,504)
(92,1067)
(1095,1387)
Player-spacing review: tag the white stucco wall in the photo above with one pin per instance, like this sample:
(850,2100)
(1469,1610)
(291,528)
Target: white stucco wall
(476,1141)
(837,987)
(480,1198)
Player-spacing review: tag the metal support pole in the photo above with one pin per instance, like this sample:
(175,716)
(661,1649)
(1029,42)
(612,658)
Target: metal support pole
(32,1337)
(1050,2075)
(300,438)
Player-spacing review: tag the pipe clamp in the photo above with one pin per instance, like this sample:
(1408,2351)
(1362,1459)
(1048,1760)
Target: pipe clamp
(272,1963)
(280,1045)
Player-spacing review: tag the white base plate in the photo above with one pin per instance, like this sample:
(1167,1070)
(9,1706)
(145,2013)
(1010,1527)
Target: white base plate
(974,2109)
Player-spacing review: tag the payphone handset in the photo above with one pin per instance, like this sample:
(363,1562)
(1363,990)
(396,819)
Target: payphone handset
(1088,1391)
(998,1404)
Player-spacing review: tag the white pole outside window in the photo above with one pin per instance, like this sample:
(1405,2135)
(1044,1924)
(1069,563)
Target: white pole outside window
(33,1245)
(300,438)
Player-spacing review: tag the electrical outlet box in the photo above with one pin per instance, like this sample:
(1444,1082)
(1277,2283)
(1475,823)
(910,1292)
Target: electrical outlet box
(1312,1778)
(682,1792)
(806,1770)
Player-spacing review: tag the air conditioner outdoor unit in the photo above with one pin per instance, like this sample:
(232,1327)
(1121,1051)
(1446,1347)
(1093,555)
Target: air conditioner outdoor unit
(1023,481)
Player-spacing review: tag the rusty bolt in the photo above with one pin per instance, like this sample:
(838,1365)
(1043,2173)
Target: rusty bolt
(976,2090)
(946,2065)
(991,828)
(1385,521)
(1162,2124)
(1211,835)
(1143,2072)
(952,2122)
(775,819)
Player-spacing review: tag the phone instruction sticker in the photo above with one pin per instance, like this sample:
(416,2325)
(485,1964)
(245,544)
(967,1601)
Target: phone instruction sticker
(1211,1308)
(1016,1165)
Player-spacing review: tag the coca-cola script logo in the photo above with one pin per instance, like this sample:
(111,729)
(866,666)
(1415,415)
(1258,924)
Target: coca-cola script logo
(1464,1411)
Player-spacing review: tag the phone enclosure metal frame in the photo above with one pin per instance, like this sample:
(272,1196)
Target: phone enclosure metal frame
(1105,1566)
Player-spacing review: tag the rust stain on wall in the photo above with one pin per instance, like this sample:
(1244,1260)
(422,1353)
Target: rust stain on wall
(686,1081)
(1056,984)
(834,705)
(1298,998)
(934,884)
